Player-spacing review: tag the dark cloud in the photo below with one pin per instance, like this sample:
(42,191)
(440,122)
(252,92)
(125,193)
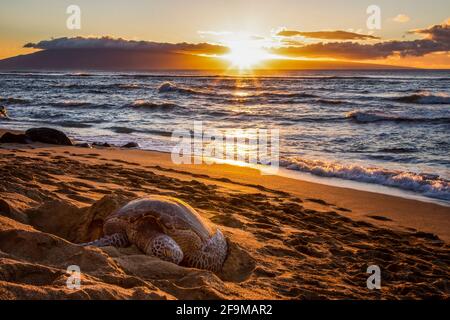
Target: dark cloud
(439,32)
(118,43)
(329,35)
(351,50)
(437,40)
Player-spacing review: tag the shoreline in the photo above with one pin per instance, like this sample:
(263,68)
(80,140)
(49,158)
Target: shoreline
(333,181)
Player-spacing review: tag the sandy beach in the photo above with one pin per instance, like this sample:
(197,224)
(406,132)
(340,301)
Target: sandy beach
(288,239)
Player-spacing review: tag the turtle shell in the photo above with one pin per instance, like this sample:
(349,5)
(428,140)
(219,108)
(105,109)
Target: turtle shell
(169,213)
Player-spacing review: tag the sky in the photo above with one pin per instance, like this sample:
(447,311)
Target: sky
(223,21)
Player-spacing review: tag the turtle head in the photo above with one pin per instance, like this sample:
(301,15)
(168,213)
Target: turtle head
(213,253)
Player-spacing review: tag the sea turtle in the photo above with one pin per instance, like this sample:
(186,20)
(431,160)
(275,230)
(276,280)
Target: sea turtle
(167,228)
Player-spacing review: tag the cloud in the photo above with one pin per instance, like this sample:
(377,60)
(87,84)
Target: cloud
(439,32)
(292,42)
(328,35)
(401,18)
(123,44)
(437,40)
(357,51)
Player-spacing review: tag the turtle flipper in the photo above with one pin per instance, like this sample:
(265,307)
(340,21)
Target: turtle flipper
(119,240)
(165,248)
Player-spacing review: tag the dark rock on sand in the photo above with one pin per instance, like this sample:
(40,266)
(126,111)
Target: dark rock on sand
(83,145)
(48,135)
(9,137)
(101,144)
(131,145)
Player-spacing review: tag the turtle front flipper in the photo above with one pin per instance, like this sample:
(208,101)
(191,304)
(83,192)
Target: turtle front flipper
(164,247)
(119,240)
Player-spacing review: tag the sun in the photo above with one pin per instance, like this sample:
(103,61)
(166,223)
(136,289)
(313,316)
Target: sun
(245,54)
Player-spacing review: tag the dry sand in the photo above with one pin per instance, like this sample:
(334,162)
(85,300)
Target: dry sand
(289,239)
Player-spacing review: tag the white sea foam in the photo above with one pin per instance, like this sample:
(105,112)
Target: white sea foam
(140,103)
(430,185)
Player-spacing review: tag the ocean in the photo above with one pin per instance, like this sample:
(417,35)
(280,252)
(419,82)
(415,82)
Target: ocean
(389,128)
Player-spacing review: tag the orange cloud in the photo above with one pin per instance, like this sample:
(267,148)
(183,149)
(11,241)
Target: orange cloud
(437,40)
(401,18)
(329,35)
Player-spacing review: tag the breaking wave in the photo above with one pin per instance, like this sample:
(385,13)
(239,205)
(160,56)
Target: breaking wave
(171,87)
(424,98)
(152,105)
(429,185)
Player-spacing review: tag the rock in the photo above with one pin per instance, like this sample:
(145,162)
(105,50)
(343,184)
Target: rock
(84,145)
(3,113)
(48,135)
(131,145)
(102,144)
(9,137)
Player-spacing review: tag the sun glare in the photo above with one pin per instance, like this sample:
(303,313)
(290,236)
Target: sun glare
(245,54)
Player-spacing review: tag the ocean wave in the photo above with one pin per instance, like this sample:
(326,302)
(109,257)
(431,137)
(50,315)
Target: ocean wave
(329,101)
(80,74)
(373,116)
(123,86)
(127,130)
(71,103)
(429,185)
(152,105)
(159,133)
(14,100)
(169,87)
(424,98)
(123,129)
(72,124)
(398,150)
(129,86)
(286,94)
